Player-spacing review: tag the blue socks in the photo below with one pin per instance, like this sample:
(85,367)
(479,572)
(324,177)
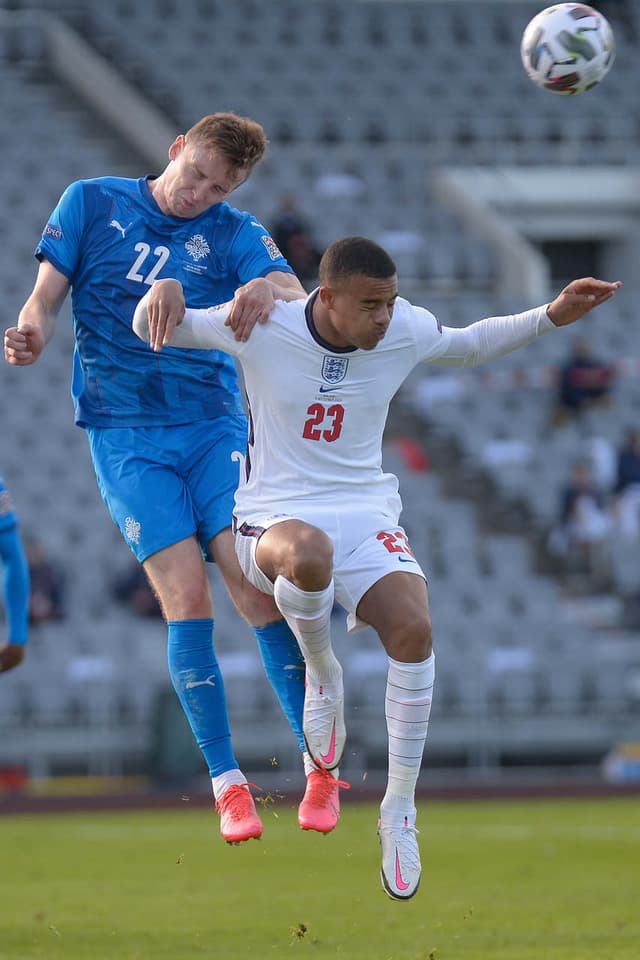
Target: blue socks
(197,680)
(284,666)
(15,585)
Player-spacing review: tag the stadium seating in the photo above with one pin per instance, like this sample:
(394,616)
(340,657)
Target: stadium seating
(417,86)
(390,60)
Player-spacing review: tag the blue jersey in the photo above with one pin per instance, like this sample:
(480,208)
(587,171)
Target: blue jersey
(7,514)
(110,239)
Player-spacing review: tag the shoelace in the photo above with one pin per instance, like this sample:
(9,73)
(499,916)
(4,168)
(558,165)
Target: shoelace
(324,785)
(316,703)
(234,800)
(404,838)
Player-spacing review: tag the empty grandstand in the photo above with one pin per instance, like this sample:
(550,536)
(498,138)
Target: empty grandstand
(383,118)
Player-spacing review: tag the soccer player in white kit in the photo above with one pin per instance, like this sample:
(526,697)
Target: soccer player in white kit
(316,518)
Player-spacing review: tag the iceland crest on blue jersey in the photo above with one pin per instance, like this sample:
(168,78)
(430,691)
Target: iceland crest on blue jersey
(334,369)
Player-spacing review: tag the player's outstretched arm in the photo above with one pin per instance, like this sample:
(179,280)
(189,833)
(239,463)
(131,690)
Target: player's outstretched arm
(494,337)
(578,298)
(200,329)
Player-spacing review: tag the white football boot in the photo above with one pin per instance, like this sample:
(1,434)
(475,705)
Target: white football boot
(323,721)
(400,872)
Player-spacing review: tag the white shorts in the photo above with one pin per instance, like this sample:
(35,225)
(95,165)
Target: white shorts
(365,549)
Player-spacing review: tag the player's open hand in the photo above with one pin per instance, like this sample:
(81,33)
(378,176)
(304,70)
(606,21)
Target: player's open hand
(23,345)
(252,304)
(578,298)
(165,310)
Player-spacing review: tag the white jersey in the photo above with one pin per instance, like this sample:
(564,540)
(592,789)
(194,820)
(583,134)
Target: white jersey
(318,412)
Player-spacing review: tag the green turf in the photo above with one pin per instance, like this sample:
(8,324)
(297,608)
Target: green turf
(502,881)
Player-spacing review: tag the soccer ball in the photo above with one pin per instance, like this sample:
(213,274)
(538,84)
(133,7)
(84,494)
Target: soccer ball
(567,48)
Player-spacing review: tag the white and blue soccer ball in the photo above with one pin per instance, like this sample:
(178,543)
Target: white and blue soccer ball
(567,48)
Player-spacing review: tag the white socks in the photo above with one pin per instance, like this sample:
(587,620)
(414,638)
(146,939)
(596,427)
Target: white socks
(225,780)
(407,708)
(308,613)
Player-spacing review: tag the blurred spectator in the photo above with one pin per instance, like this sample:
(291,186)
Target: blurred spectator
(293,236)
(47,585)
(133,589)
(602,456)
(581,536)
(585,382)
(627,487)
(413,455)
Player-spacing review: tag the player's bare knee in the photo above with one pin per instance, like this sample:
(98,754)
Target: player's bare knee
(310,559)
(412,640)
(191,601)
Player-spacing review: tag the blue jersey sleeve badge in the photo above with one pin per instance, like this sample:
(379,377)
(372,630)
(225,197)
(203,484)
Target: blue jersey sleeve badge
(52,231)
(272,247)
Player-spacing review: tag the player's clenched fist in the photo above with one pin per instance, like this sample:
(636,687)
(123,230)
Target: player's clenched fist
(23,345)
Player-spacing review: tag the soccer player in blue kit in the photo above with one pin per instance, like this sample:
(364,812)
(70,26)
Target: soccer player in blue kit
(15,582)
(165,435)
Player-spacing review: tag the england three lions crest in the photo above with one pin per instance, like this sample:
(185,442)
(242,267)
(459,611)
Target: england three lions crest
(334,369)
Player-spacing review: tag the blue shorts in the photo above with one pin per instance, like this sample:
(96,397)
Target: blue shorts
(164,484)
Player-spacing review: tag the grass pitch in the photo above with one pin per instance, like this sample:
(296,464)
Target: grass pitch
(501,881)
